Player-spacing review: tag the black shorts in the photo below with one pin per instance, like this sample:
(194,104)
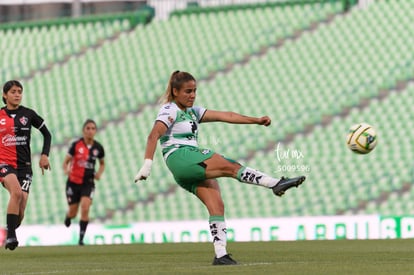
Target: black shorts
(24,176)
(74,191)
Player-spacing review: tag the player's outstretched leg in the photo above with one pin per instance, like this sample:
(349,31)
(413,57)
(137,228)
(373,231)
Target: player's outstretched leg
(286,183)
(279,186)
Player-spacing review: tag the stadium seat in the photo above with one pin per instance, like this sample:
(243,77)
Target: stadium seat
(323,73)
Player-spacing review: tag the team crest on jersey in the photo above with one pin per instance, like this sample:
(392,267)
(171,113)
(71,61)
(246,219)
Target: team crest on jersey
(3,170)
(170,119)
(95,152)
(23,120)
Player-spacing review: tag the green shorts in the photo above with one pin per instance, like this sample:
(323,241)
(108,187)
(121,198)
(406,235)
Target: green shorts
(186,164)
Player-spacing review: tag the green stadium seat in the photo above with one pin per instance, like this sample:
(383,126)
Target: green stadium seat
(316,75)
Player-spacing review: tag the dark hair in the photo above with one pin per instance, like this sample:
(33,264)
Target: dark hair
(87,122)
(8,85)
(177,79)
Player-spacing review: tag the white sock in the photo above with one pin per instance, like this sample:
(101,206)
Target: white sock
(252,176)
(218,232)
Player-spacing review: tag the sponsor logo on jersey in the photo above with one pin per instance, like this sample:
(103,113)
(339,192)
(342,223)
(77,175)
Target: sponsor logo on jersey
(84,164)
(10,140)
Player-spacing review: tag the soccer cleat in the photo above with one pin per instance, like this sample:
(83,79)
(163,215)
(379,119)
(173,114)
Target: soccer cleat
(67,222)
(225,260)
(285,183)
(11,243)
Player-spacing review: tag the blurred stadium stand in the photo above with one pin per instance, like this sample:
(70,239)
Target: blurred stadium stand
(315,67)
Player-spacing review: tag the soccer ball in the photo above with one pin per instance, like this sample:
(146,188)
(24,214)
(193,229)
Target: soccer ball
(361,138)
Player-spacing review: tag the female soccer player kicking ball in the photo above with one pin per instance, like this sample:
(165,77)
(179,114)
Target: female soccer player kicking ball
(197,169)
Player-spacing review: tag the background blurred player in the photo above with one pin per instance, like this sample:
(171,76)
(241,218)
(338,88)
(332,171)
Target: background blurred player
(196,169)
(15,154)
(79,165)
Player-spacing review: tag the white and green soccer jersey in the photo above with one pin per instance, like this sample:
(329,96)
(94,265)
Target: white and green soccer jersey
(182,126)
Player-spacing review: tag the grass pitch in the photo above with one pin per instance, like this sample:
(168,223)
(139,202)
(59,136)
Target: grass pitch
(300,257)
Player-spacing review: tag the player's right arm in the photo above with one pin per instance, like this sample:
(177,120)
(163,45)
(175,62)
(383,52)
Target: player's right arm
(158,130)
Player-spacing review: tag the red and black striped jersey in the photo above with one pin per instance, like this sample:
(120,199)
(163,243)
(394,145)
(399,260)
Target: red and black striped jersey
(83,160)
(15,130)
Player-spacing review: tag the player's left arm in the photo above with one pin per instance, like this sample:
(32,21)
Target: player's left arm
(235,118)
(101,169)
(44,157)
(67,162)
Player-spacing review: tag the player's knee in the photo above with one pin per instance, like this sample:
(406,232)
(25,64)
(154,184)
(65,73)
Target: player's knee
(84,214)
(231,169)
(16,195)
(85,209)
